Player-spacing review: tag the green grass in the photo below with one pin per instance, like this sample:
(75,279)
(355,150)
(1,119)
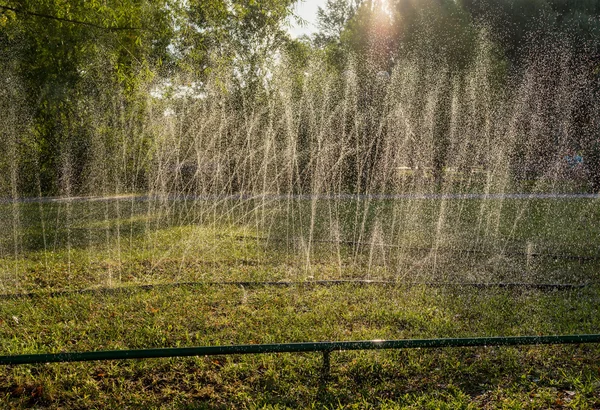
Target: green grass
(99,250)
(527,377)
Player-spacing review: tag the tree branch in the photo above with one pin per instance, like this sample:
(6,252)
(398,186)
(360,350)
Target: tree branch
(66,20)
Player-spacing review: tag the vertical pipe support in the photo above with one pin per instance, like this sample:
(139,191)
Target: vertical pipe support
(326,369)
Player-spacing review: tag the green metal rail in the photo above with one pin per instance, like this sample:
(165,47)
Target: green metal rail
(324,347)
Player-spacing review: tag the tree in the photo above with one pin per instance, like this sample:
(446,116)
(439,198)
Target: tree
(219,34)
(87,70)
(332,20)
(67,52)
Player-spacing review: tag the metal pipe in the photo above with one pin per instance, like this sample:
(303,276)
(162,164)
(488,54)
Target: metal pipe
(301,197)
(296,348)
(326,369)
(565,256)
(332,282)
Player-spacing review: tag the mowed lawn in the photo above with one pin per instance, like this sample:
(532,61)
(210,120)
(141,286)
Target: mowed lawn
(99,250)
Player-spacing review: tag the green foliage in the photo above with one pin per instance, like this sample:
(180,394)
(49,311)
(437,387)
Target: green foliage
(333,18)
(221,33)
(297,56)
(65,54)
(86,68)
(445,32)
(522,40)
(519,25)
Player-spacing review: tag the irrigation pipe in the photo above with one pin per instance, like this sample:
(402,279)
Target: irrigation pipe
(581,258)
(324,347)
(358,282)
(329,197)
(294,197)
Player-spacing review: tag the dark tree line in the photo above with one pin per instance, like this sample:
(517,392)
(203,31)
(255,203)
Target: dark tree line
(548,40)
(81,78)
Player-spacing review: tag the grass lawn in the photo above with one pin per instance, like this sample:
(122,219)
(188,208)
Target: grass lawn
(98,250)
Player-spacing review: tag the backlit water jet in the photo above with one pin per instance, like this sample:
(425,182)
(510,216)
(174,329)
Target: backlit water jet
(425,173)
